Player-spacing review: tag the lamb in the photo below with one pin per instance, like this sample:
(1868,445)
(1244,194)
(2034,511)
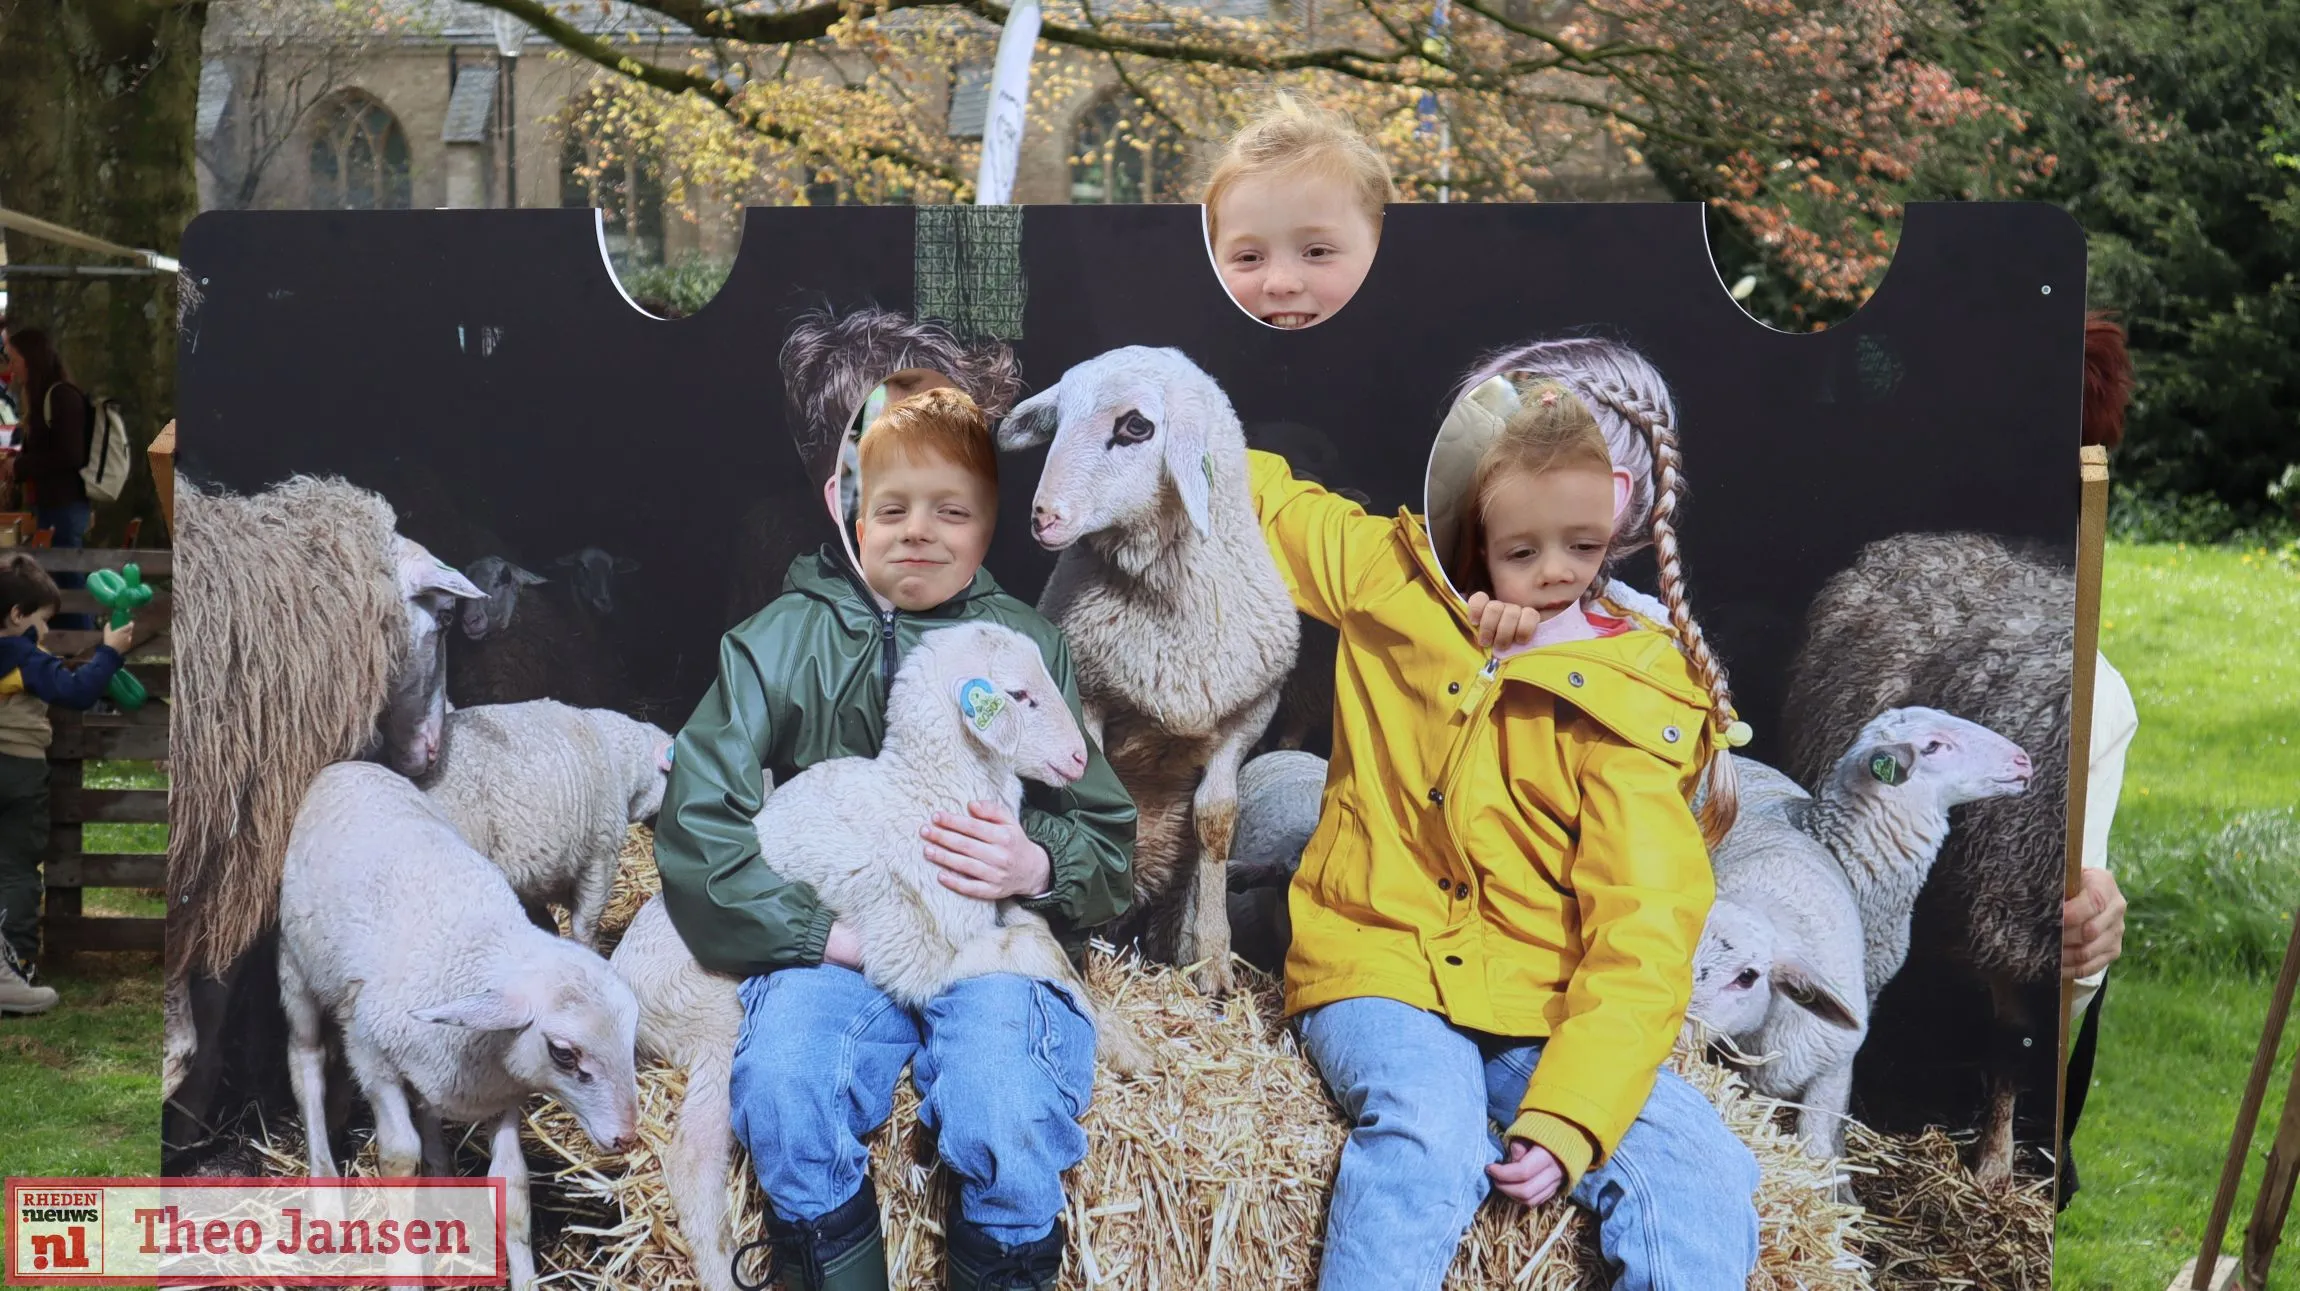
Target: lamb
(1182,627)
(1279,798)
(501,582)
(971,711)
(1981,629)
(355,669)
(549,793)
(1778,971)
(526,644)
(450,1003)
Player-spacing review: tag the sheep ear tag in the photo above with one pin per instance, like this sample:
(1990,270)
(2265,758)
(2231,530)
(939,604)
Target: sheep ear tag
(980,702)
(1886,768)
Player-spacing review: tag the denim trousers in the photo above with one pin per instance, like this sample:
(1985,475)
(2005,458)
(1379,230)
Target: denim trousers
(70,523)
(1675,1202)
(1004,1067)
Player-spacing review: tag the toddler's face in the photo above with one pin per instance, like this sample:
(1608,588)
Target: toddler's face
(925,529)
(1292,248)
(1546,535)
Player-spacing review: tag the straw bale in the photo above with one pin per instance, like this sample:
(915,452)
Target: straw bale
(1932,1224)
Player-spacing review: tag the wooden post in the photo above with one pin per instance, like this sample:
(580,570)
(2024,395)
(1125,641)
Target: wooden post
(2091,555)
(163,458)
(2248,1115)
(2275,1200)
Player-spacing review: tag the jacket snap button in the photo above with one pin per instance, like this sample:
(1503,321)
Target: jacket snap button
(1460,890)
(1438,796)
(1670,733)
(1574,677)
(1454,960)
(1445,885)
(1453,688)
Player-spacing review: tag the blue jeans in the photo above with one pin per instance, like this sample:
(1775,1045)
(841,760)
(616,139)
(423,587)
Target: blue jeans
(1675,1203)
(1004,1067)
(70,522)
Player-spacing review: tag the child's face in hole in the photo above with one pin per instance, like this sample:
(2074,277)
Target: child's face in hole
(1546,534)
(925,529)
(1292,248)
(37,622)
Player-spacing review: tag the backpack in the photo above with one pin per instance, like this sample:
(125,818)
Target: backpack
(105,476)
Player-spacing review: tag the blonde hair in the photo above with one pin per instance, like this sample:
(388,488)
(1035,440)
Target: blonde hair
(944,422)
(1638,420)
(1551,430)
(1292,136)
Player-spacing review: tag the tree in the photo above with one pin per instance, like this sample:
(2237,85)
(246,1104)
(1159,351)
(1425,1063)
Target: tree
(1807,121)
(99,99)
(283,58)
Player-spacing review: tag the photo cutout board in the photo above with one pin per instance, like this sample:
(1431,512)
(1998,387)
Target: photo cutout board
(542,492)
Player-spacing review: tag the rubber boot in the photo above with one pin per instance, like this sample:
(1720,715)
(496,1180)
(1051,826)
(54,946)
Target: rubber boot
(979,1262)
(842,1251)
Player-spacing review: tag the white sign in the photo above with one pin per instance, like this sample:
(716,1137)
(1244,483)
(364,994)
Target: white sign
(1009,98)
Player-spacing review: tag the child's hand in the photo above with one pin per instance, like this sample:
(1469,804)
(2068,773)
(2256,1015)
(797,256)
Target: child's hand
(985,855)
(1501,625)
(842,947)
(121,637)
(1529,1176)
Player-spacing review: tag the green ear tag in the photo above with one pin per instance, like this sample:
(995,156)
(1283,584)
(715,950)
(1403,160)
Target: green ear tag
(1206,464)
(980,702)
(1885,769)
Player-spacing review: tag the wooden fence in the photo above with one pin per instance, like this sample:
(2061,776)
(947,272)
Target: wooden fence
(141,736)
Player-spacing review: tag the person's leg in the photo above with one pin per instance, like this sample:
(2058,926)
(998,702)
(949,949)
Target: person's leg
(2079,1082)
(23,845)
(1006,1070)
(1413,1171)
(1676,1202)
(70,525)
(814,1071)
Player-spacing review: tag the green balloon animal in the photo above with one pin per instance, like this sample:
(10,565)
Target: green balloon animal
(123,594)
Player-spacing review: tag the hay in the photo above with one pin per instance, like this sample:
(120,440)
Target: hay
(1931,1224)
(1212,1173)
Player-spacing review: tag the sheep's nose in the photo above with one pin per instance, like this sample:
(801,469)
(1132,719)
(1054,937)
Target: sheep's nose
(1044,517)
(2021,762)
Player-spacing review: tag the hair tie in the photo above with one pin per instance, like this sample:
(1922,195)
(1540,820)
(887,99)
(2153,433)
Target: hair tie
(1738,735)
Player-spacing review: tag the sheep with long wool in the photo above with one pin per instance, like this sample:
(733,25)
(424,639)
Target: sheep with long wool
(451,1005)
(1968,624)
(549,793)
(1181,625)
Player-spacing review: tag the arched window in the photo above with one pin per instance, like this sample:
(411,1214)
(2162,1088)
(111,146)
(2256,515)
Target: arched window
(1125,153)
(359,159)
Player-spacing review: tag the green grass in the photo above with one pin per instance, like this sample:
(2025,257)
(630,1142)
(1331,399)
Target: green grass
(2207,848)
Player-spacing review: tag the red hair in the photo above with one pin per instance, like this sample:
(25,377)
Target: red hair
(2107,381)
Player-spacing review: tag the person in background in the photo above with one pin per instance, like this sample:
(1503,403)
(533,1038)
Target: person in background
(2092,922)
(52,446)
(31,680)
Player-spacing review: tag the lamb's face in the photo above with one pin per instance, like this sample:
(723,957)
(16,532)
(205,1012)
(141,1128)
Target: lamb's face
(593,572)
(414,718)
(1952,760)
(499,581)
(1732,971)
(1008,703)
(1131,430)
(573,1028)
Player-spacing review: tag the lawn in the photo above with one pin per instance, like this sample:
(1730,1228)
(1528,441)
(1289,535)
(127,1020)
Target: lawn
(2207,847)
(80,1084)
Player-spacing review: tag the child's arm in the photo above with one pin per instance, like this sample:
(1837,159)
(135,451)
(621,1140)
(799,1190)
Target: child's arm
(1087,828)
(735,914)
(1641,875)
(1326,546)
(47,677)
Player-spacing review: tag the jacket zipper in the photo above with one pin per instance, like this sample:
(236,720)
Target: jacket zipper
(886,655)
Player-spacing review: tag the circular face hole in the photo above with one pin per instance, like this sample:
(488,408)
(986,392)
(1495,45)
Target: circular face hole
(845,486)
(1291,248)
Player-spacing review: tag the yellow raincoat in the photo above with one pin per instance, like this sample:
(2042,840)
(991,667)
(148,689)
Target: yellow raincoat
(1509,846)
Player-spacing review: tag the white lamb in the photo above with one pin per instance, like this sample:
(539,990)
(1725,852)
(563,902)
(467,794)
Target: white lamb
(1182,627)
(549,793)
(1883,812)
(451,1004)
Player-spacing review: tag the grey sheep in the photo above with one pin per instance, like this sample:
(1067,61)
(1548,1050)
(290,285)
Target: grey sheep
(1964,623)
(1280,795)
(450,1003)
(549,793)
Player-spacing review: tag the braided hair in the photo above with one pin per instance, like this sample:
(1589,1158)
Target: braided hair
(1633,408)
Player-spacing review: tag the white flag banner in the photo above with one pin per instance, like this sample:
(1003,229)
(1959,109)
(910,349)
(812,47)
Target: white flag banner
(1009,98)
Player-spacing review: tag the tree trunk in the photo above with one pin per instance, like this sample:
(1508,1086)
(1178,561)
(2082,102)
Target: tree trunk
(100,99)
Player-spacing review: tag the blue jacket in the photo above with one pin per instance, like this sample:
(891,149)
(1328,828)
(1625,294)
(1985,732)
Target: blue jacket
(49,678)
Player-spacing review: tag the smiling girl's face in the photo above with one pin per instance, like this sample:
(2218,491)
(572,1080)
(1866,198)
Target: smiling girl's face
(1293,247)
(1545,535)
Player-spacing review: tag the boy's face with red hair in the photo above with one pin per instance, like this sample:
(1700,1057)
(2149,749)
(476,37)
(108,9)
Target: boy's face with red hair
(925,527)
